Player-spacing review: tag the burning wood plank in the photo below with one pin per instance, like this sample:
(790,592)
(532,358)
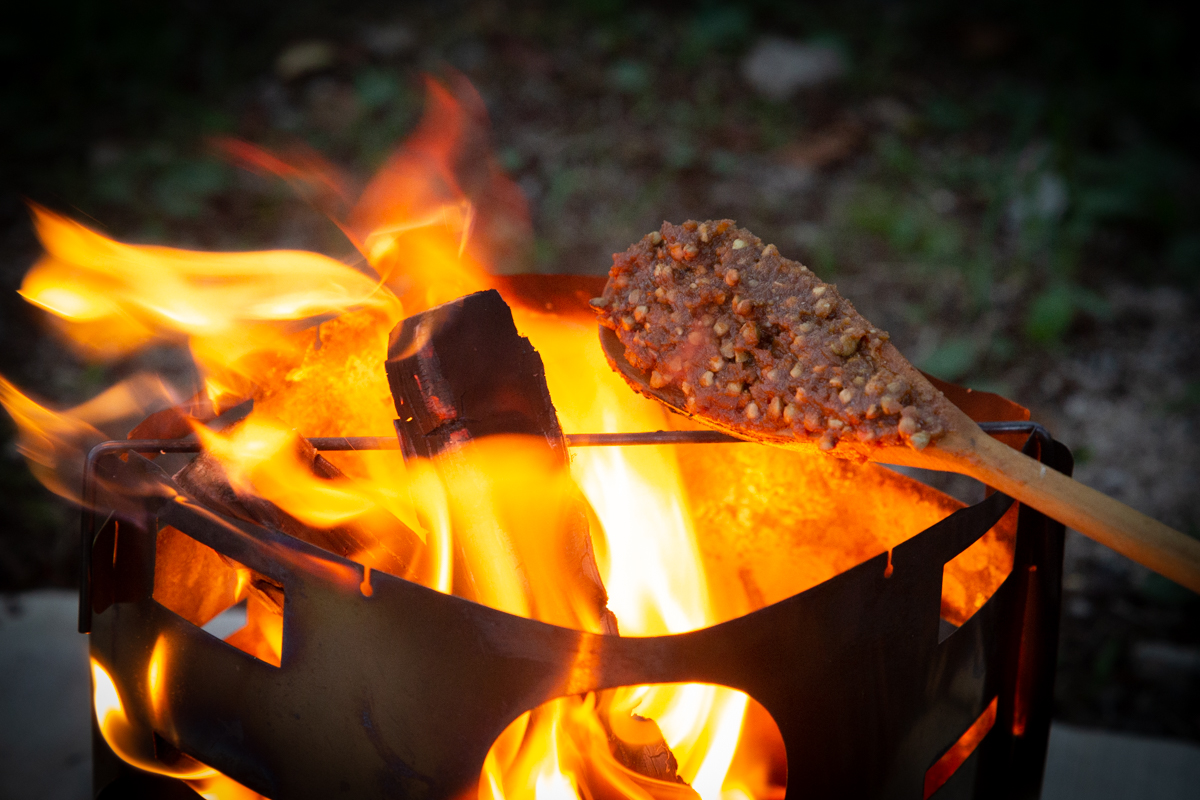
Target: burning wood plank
(175,422)
(460,372)
(394,547)
(375,538)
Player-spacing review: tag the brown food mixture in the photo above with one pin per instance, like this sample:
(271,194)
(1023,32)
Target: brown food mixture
(759,344)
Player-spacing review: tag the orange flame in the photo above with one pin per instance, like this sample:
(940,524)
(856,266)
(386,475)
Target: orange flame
(305,336)
(431,225)
(656,582)
(55,443)
(130,741)
(142,292)
(441,212)
(259,458)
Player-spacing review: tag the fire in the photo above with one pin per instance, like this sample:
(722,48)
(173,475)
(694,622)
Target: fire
(129,740)
(54,443)
(305,337)
(650,561)
(260,458)
(112,298)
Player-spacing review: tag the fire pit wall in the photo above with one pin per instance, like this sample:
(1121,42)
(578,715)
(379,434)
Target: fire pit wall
(399,691)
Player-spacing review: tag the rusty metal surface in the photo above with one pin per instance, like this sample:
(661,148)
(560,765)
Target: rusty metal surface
(401,694)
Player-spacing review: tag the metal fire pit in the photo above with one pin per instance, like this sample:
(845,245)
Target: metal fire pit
(401,693)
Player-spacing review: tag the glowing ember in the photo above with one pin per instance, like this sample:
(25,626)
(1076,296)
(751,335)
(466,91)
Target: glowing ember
(679,546)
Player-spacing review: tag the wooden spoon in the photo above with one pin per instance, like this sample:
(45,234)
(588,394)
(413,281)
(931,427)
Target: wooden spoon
(964,448)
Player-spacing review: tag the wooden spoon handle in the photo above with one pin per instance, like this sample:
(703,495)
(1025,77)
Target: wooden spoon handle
(1114,524)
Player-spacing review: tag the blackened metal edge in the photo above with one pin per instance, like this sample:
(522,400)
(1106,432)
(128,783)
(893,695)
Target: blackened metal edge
(1012,761)
(87,531)
(800,653)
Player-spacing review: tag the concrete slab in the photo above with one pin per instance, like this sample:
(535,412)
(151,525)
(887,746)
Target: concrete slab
(45,734)
(1084,764)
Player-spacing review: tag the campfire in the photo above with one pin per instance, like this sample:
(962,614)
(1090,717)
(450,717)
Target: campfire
(457,559)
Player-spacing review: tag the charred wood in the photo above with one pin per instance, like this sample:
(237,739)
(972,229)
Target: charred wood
(393,547)
(460,372)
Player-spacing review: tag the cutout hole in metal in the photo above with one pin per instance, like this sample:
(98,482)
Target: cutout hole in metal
(676,741)
(942,769)
(220,596)
(228,622)
(971,578)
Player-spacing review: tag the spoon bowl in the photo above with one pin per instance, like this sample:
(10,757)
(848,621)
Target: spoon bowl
(966,449)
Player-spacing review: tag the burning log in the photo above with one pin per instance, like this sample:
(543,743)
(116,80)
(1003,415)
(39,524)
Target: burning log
(461,372)
(197,586)
(393,546)
(638,745)
(175,422)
